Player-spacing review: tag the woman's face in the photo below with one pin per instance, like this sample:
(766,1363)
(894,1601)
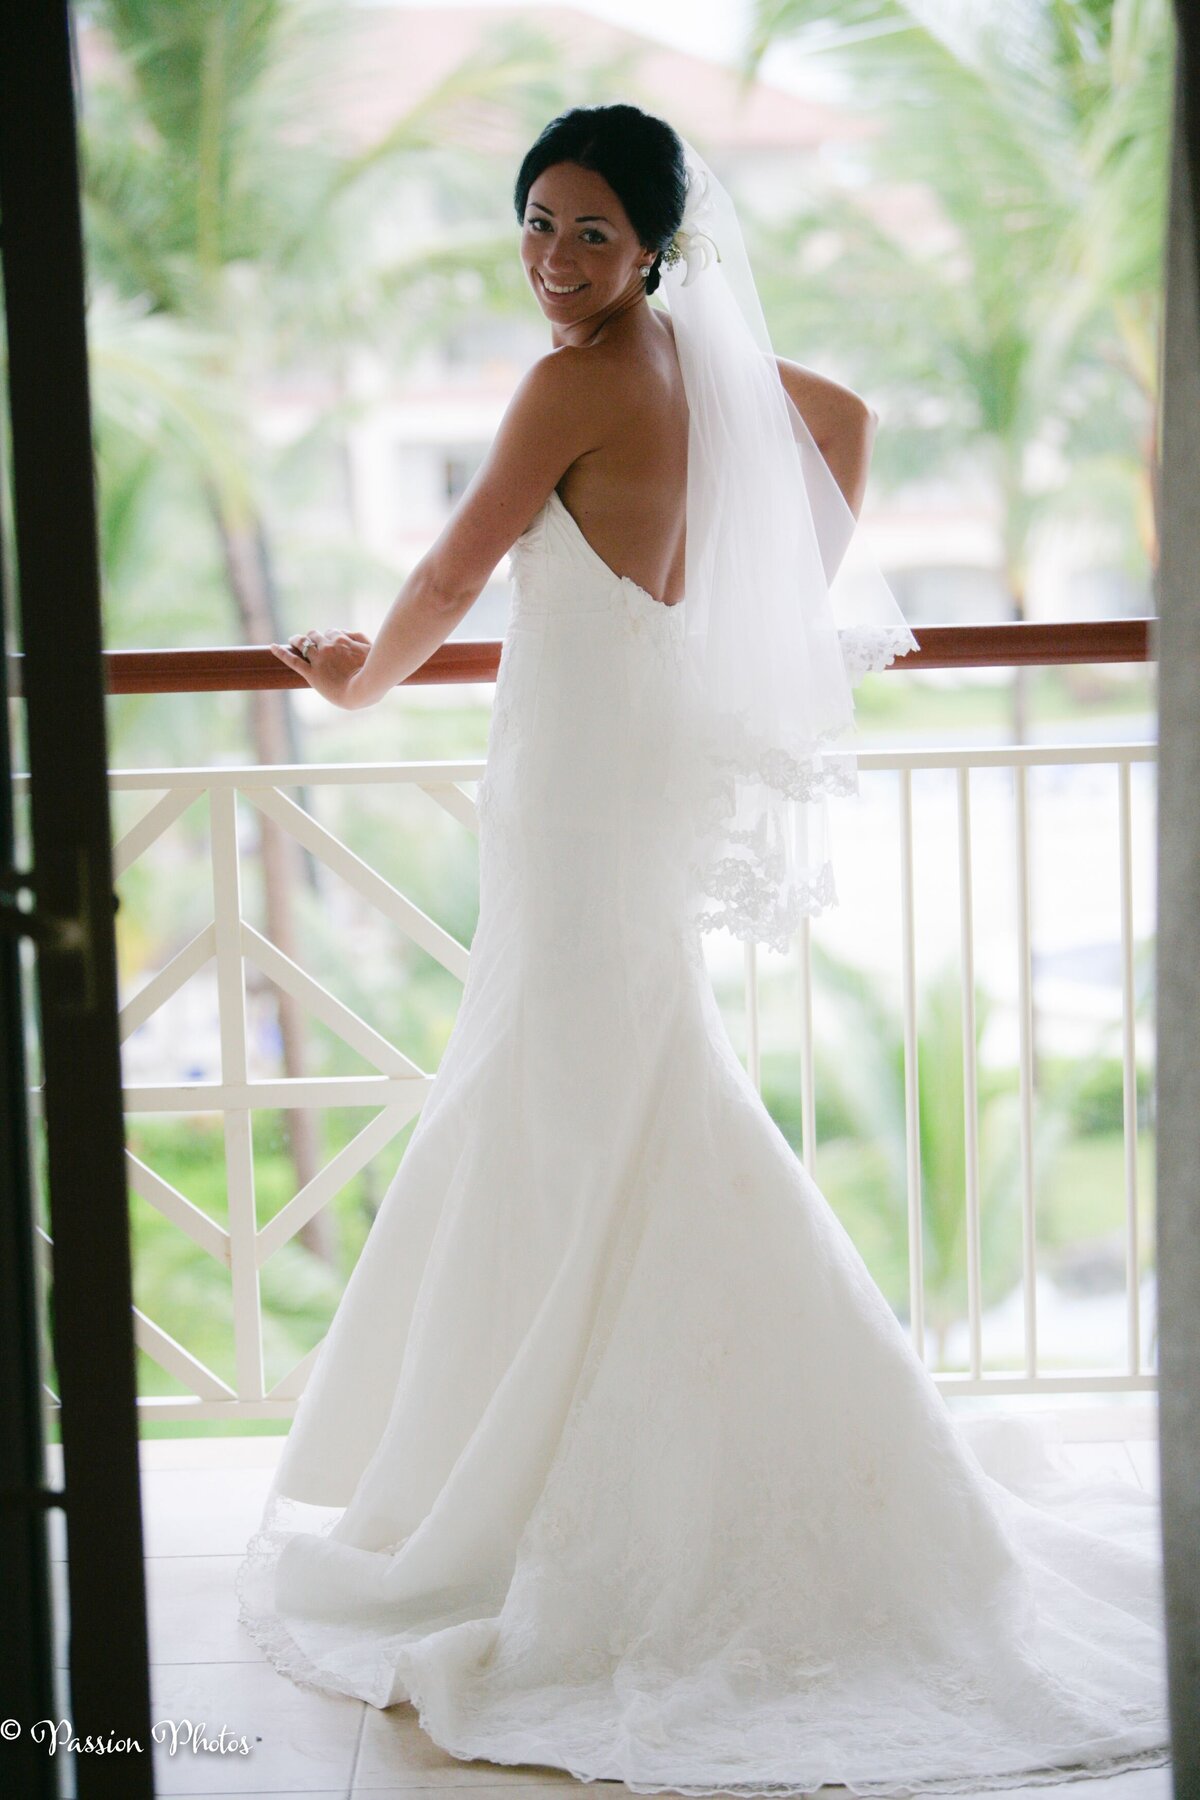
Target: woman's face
(580,252)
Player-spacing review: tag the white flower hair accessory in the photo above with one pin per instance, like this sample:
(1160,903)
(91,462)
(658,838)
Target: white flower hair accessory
(692,245)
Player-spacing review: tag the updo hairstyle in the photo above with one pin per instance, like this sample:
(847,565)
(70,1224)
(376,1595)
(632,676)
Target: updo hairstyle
(639,156)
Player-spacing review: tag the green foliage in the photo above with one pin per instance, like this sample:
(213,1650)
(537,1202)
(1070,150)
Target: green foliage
(1097,1099)
(1033,136)
(1083,1197)
(861,1139)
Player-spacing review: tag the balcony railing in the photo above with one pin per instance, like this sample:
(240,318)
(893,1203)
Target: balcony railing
(398,1086)
(219,669)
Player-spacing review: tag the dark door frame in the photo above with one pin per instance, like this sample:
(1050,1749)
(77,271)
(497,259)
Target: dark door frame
(65,904)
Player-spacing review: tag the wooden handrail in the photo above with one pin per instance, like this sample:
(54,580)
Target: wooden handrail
(222,670)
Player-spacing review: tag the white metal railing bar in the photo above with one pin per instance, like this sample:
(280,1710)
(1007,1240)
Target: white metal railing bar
(388,1058)
(272,1095)
(200,778)
(149,828)
(176,1360)
(427,774)
(455,800)
(912,1090)
(1129,1068)
(333,1177)
(1006,756)
(430,774)
(238,1119)
(970,1074)
(178,1209)
(1025,1056)
(167,982)
(364,879)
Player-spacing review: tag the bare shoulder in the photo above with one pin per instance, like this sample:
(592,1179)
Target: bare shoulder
(826,406)
(572,382)
(561,375)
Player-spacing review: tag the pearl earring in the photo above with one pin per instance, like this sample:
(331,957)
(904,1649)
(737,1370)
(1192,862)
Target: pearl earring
(644,272)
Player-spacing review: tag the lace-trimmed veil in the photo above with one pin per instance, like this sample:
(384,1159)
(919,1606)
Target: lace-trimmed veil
(777,633)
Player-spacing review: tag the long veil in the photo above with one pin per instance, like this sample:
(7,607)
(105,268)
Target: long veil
(776,635)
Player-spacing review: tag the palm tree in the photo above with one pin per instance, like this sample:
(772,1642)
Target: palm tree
(1020,348)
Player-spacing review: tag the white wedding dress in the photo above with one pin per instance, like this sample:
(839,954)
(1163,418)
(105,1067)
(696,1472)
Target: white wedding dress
(615,1458)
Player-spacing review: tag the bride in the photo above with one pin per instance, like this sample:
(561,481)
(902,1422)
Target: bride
(615,1458)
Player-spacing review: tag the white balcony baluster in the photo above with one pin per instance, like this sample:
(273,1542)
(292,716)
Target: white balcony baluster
(239,1141)
(970,1073)
(912,1087)
(1129,1068)
(1025,1025)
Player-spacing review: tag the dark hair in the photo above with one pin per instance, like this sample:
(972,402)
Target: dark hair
(639,156)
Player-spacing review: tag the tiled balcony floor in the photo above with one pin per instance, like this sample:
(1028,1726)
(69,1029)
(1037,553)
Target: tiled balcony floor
(201,1501)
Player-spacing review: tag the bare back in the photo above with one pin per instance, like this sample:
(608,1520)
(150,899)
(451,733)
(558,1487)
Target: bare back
(629,495)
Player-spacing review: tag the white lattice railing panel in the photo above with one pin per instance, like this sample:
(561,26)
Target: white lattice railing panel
(234,944)
(396,1085)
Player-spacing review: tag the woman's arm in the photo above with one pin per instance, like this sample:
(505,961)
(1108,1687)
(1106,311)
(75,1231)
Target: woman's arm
(842,424)
(549,424)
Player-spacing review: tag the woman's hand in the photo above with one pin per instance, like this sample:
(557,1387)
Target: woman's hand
(331,661)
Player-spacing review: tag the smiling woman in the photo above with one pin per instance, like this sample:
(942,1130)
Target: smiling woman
(602,418)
